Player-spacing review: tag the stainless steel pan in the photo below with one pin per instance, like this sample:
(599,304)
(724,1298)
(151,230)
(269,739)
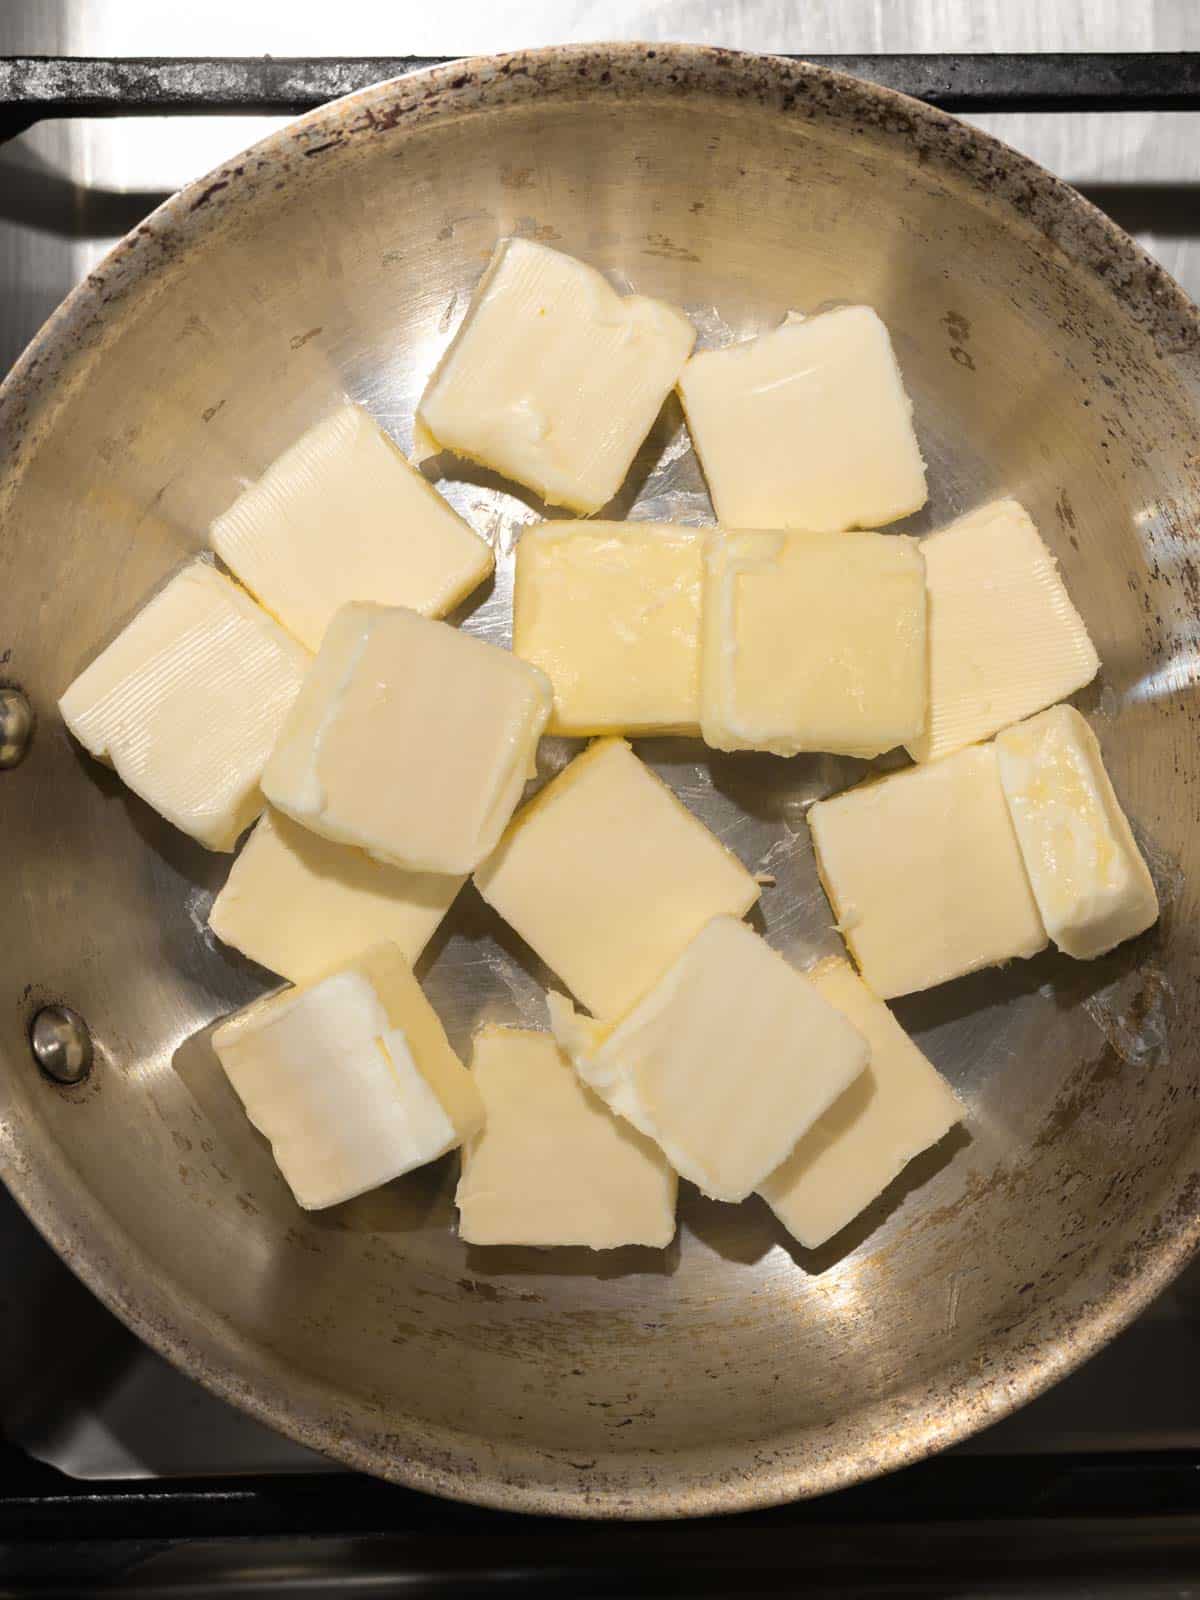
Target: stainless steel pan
(1048,358)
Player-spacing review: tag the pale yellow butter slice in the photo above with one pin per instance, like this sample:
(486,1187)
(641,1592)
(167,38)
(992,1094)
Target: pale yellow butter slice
(726,1062)
(808,426)
(813,641)
(608,877)
(898,1107)
(1092,886)
(1004,638)
(552,1165)
(187,701)
(350,1078)
(925,875)
(610,611)
(302,905)
(410,739)
(554,379)
(342,516)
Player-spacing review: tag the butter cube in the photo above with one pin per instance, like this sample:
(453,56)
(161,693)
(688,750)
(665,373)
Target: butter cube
(610,611)
(552,1165)
(925,875)
(808,426)
(1092,886)
(302,905)
(410,739)
(898,1107)
(342,516)
(350,1078)
(608,877)
(187,701)
(726,1062)
(1004,639)
(813,641)
(554,379)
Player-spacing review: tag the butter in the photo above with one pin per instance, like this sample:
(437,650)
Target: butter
(410,739)
(187,701)
(301,905)
(610,611)
(342,516)
(350,1078)
(726,1062)
(1092,886)
(554,379)
(1004,639)
(813,641)
(925,875)
(551,1164)
(899,1106)
(608,877)
(808,426)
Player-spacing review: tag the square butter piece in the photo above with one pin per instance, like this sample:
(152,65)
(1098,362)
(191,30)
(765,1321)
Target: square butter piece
(610,611)
(350,1078)
(301,905)
(808,426)
(899,1106)
(608,877)
(1092,886)
(554,379)
(1004,639)
(552,1165)
(925,875)
(342,516)
(187,701)
(410,739)
(813,641)
(726,1062)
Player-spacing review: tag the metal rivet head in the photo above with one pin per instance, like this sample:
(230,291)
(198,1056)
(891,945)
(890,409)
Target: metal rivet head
(61,1044)
(16,727)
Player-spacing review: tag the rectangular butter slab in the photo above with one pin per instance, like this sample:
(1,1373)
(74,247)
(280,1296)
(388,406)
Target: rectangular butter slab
(608,877)
(187,701)
(726,1062)
(899,1106)
(813,641)
(1004,639)
(1092,886)
(610,611)
(925,875)
(301,905)
(552,1165)
(554,379)
(807,426)
(342,516)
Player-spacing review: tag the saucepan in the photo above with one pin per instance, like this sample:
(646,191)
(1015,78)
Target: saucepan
(1048,358)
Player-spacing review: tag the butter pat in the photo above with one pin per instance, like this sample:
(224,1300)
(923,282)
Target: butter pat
(925,875)
(1004,638)
(552,1165)
(806,427)
(813,641)
(187,701)
(1092,886)
(554,379)
(608,877)
(610,611)
(301,905)
(898,1107)
(349,1078)
(410,739)
(727,1061)
(342,516)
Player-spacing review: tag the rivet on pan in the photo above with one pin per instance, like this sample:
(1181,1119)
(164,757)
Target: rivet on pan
(16,727)
(61,1044)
